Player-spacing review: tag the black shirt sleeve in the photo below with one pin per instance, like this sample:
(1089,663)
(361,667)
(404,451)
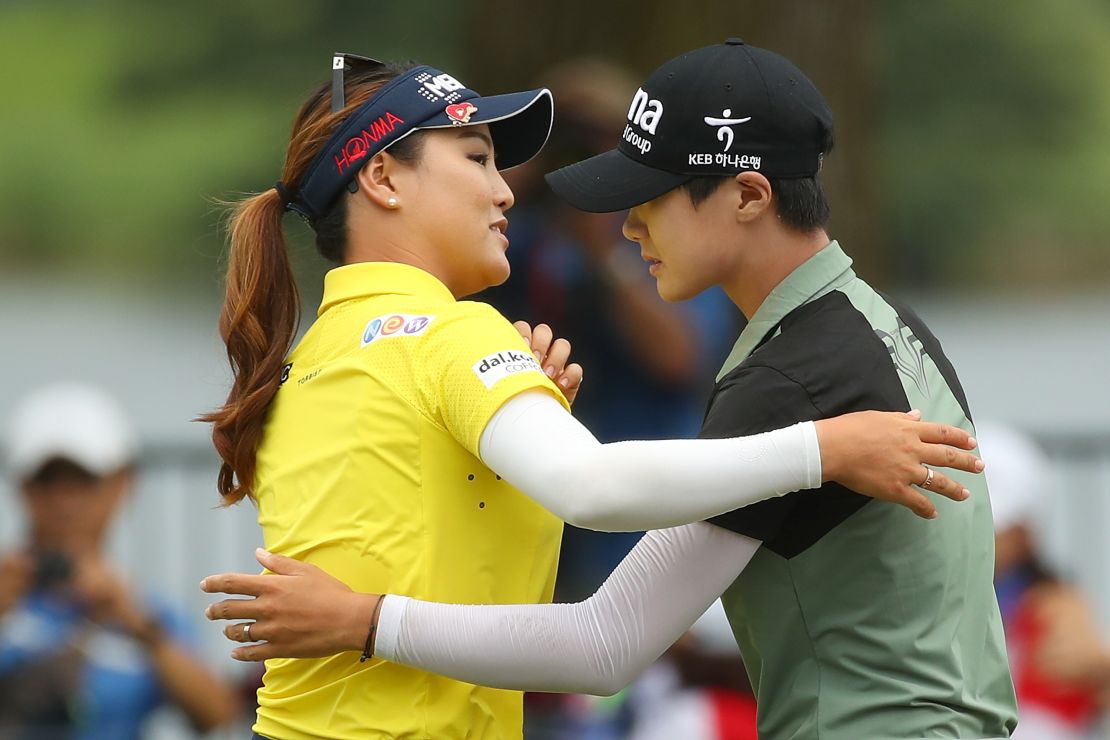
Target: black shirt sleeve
(749,401)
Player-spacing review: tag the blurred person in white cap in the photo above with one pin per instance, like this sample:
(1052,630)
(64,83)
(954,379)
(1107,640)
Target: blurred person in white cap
(1059,661)
(81,653)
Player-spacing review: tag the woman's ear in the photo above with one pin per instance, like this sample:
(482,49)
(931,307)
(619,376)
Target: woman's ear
(755,196)
(377,180)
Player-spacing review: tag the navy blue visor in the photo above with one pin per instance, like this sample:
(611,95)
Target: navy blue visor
(420,99)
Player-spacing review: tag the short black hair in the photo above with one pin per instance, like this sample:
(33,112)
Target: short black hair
(800,202)
(60,471)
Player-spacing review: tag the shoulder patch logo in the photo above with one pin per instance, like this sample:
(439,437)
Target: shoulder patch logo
(908,355)
(395,325)
(494,368)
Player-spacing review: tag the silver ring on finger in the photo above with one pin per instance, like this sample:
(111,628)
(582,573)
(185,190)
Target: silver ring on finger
(247,632)
(928,478)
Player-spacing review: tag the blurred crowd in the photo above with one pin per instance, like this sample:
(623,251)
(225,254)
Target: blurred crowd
(83,653)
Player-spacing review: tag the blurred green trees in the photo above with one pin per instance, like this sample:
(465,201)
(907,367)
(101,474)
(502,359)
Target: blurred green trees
(972,136)
(994,155)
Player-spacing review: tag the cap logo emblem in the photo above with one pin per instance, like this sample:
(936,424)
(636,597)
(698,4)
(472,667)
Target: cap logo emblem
(460,113)
(724,124)
(440,87)
(645,112)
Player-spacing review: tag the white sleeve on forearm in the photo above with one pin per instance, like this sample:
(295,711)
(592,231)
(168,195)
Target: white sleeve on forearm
(596,646)
(533,443)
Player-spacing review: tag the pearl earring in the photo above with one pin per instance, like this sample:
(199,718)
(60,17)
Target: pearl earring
(392,203)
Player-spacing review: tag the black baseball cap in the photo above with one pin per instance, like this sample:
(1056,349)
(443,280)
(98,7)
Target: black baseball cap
(421,98)
(718,110)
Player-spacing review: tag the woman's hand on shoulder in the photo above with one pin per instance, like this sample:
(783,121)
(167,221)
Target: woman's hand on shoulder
(295,611)
(890,455)
(553,354)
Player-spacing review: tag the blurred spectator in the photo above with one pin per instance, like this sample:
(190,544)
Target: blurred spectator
(699,690)
(1059,661)
(81,654)
(646,361)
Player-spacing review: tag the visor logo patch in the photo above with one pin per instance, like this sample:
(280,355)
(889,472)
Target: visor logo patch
(440,87)
(460,113)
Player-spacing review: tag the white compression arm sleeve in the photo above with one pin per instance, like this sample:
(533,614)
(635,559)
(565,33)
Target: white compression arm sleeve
(596,646)
(533,443)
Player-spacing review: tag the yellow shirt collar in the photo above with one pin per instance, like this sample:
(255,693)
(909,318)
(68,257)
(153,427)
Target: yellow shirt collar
(364,279)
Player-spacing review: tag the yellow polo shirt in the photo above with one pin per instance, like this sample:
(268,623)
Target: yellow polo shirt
(368,469)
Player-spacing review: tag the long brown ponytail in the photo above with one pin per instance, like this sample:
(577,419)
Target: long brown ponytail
(261,307)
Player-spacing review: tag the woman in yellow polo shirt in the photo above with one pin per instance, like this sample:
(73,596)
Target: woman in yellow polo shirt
(373,448)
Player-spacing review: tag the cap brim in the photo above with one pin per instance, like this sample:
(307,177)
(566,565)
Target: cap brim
(611,182)
(518,122)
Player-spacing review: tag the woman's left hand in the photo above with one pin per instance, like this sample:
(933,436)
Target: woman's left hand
(298,611)
(552,354)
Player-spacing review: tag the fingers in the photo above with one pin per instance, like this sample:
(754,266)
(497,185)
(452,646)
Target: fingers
(945,486)
(234,583)
(541,341)
(254,653)
(280,564)
(946,435)
(244,632)
(233,609)
(557,357)
(571,377)
(525,330)
(950,457)
(570,381)
(917,502)
(551,353)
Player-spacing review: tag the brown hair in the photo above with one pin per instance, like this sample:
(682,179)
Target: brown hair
(261,307)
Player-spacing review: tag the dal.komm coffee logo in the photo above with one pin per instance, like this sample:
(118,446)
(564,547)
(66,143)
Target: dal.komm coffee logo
(494,368)
(395,325)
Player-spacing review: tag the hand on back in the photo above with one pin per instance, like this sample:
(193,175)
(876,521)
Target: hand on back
(885,454)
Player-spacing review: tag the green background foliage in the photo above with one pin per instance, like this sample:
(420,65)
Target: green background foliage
(972,145)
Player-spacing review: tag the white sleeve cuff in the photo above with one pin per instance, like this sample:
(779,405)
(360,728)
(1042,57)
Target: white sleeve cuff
(389,625)
(812,454)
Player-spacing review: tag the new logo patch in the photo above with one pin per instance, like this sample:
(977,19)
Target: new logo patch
(494,368)
(395,325)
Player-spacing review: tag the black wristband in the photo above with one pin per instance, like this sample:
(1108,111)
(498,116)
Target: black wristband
(368,648)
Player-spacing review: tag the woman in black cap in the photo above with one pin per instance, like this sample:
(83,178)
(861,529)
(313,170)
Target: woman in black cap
(382,447)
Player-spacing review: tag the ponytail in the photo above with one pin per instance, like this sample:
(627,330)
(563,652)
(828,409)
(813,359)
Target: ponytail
(258,322)
(261,306)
